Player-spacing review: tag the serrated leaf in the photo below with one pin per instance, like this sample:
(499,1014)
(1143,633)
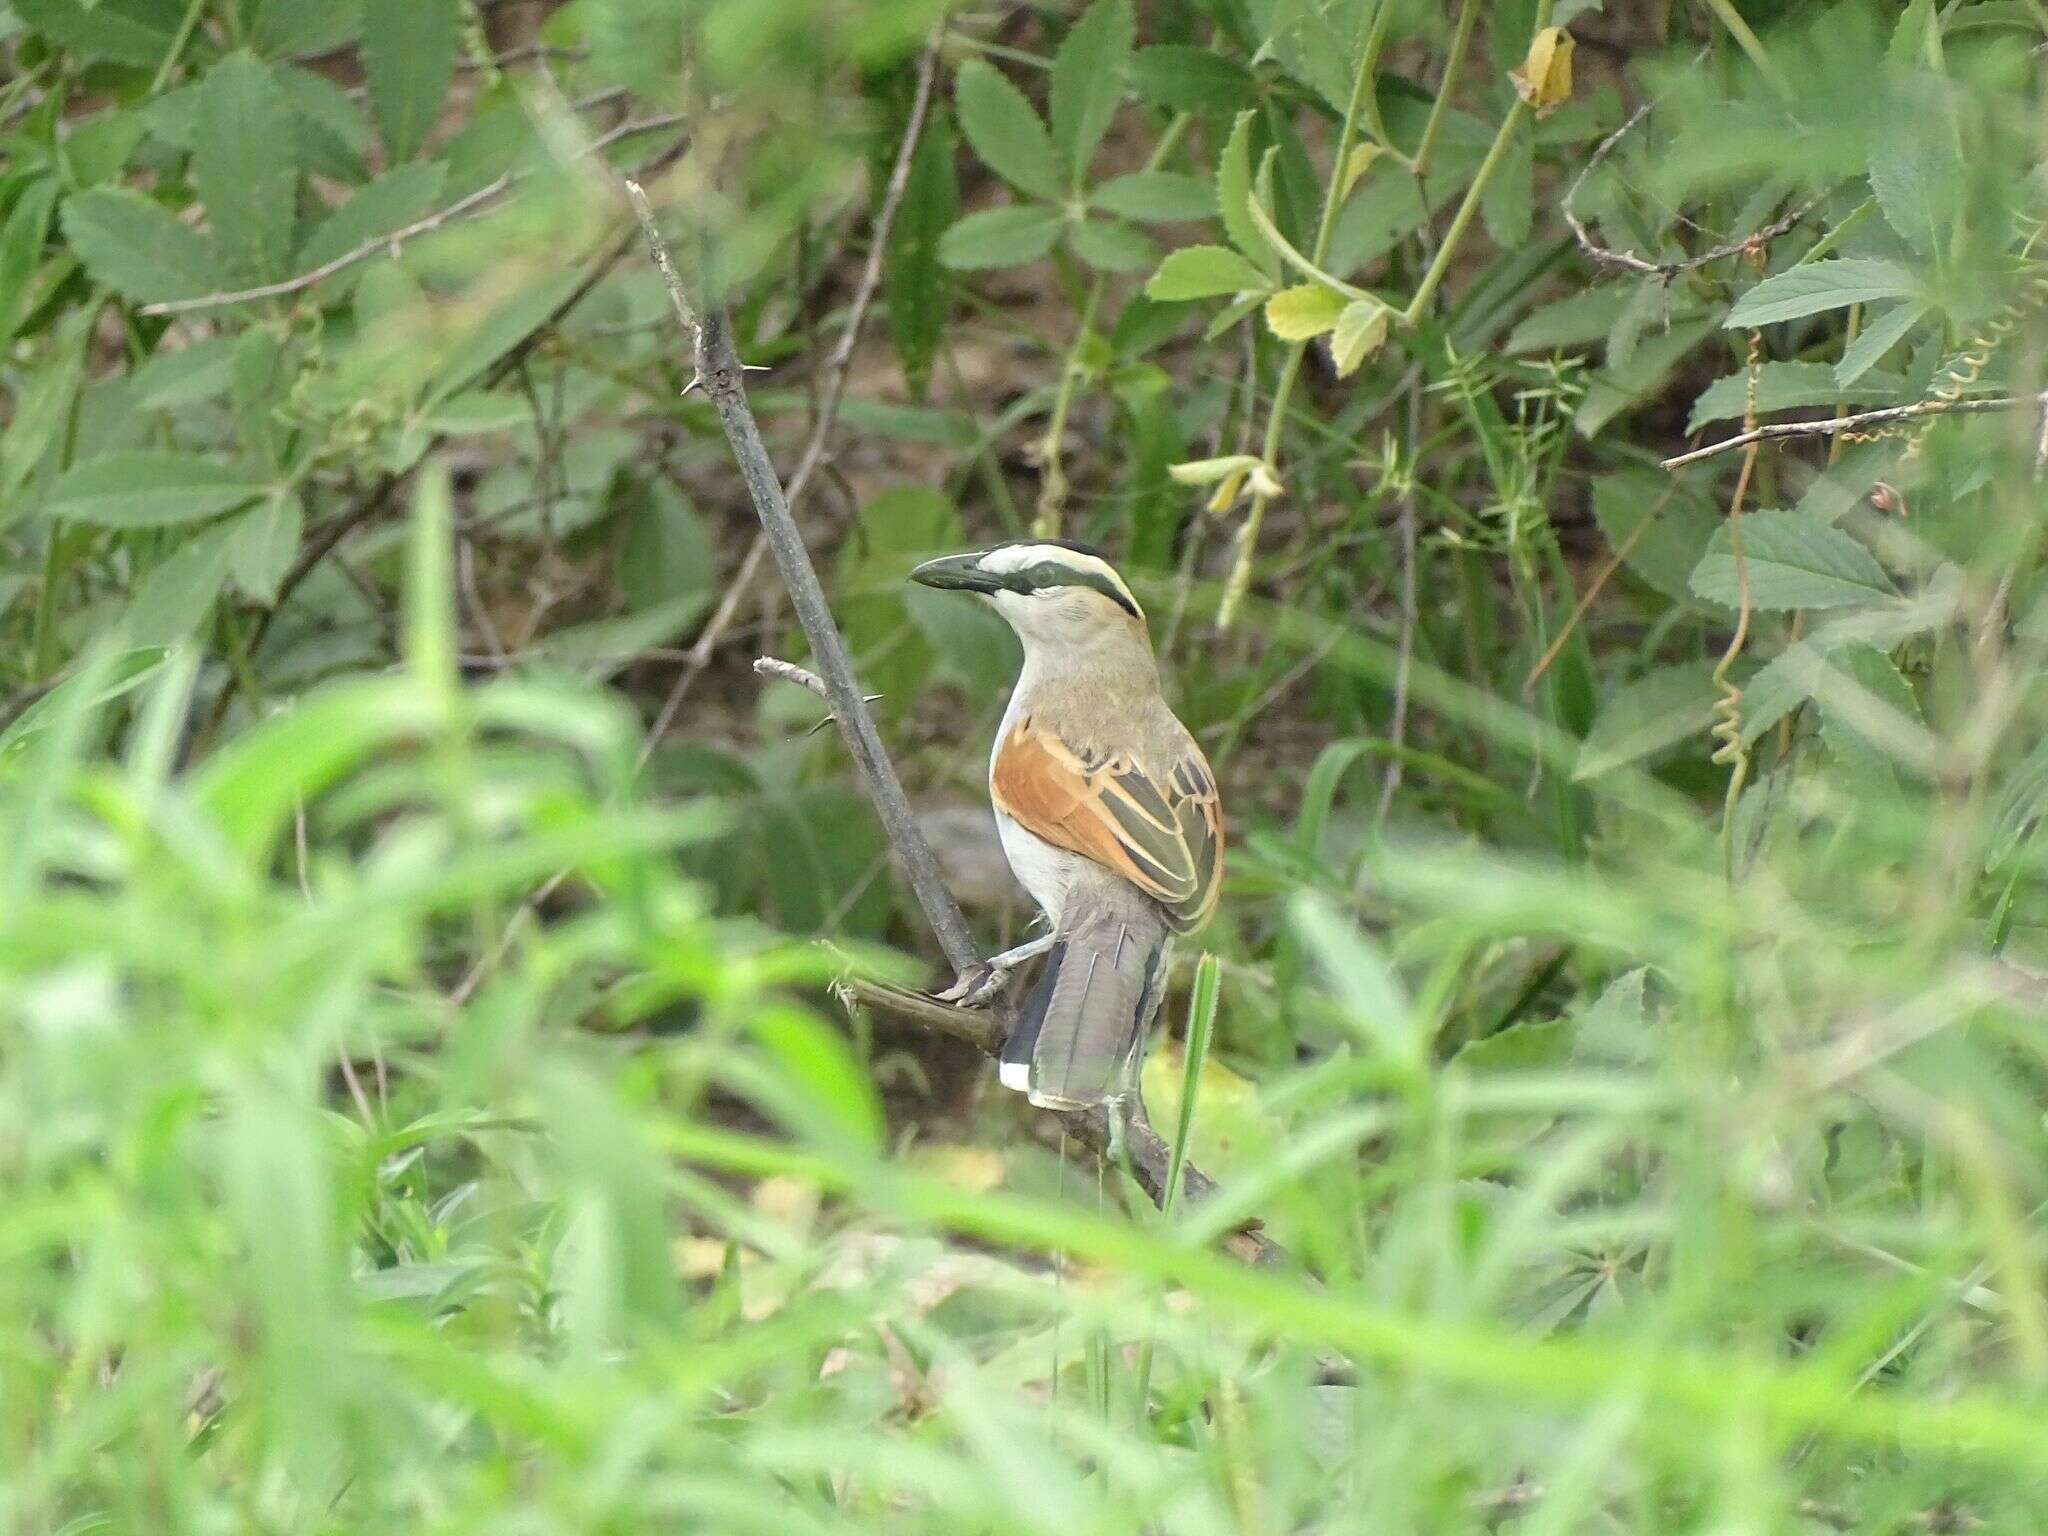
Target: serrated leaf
(1784,387)
(1189,79)
(1161,197)
(1868,717)
(1879,335)
(1360,331)
(1000,237)
(191,373)
(914,282)
(150,488)
(1110,246)
(1526,1047)
(1820,286)
(397,198)
(1791,561)
(245,166)
(1202,272)
(95,32)
(1303,312)
(1088,82)
(1681,526)
(1646,716)
(1914,174)
(408,51)
(1234,198)
(300,26)
(136,247)
(1005,132)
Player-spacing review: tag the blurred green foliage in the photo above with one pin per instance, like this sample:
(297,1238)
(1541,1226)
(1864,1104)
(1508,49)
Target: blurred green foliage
(421,1104)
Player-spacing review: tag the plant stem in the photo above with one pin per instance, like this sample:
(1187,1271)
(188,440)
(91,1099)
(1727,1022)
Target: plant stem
(1052,489)
(1240,578)
(1468,13)
(1426,289)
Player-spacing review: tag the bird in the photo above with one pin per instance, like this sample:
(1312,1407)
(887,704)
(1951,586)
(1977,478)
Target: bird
(1108,813)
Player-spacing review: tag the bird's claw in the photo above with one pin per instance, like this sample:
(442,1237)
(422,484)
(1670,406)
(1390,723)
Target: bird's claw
(977,985)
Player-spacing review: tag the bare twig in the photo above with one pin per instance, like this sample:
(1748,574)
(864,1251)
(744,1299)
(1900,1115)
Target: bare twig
(831,393)
(489,192)
(719,372)
(1607,256)
(1829,426)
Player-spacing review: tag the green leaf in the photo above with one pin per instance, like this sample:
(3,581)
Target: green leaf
(307,26)
(1508,206)
(1791,561)
(1202,272)
(245,165)
(665,553)
(1784,387)
(1000,237)
(1820,286)
(1234,198)
(1526,1047)
(1005,132)
(331,134)
(1867,712)
(180,590)
(150,488)
(914,283)
(2021,804)
(1304,311)
(1681,525)
(1914,172)
(1159,197)
(44,404)
(1646,716)
(408,51)
(1088,82)
(397,198)
(21,250)
(1109,246)
(1359,976)
(1189,79)
(262,544)
(182,377)
(96,32)
(137,248)
(1879,335)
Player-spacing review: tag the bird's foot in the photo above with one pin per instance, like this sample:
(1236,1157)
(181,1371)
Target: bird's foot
(976,987)
(979,984)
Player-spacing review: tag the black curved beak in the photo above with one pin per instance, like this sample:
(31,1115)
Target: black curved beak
(957,573)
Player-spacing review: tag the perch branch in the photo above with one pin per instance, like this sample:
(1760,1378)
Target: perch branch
(723,379)
(1831,425)
(833,390)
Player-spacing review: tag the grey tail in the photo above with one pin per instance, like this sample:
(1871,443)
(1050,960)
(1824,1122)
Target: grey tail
(1080,1029)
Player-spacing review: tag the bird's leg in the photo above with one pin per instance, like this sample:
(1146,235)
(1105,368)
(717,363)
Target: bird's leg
(976,986)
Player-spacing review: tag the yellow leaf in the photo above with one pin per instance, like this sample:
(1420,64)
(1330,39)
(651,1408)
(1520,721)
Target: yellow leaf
(1303,312)
(1545,78)
(1359,332)
(1227,489)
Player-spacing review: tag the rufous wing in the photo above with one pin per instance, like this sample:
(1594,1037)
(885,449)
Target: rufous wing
(1159,825)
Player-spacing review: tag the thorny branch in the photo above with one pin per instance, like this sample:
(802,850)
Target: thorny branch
(829,396)
(722,377)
